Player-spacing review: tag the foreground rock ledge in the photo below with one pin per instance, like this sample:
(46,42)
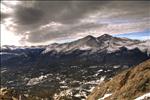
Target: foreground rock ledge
(127,85)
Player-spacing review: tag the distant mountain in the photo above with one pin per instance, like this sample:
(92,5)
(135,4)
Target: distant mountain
(90,50)
(104,42)
(127,85)
(68,70)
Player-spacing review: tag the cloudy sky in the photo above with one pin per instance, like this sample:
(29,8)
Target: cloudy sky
(43,22)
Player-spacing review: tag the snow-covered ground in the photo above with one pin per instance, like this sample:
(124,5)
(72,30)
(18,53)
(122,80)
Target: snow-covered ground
(85,47)
(96,81)
(105,96)
(37,80)
(143,97)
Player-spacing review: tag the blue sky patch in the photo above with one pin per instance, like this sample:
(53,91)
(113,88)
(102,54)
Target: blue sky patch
(136,35)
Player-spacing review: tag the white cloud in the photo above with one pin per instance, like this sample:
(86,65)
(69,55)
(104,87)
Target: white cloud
(48,21)
(8,37)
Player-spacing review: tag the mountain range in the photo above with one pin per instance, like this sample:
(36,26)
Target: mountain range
(97,50)
(69,70)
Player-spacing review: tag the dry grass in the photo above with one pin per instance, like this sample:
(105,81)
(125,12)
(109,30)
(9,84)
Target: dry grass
(127,85)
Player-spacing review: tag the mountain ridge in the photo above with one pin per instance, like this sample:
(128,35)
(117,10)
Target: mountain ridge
(79,49)
(88,36)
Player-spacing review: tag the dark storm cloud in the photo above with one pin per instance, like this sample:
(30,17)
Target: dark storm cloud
(39,37)
(67,11)
(4,15)
(76,17)
(30,15)
(63,31)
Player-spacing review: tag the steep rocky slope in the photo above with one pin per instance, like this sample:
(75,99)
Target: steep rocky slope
(127,85)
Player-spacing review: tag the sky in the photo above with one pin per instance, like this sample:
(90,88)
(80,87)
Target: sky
(43,22)
(144,35)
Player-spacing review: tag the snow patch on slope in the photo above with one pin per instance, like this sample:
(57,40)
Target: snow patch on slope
(105,96)
(143,97)
(144,46)
(37,80)
(85,47)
